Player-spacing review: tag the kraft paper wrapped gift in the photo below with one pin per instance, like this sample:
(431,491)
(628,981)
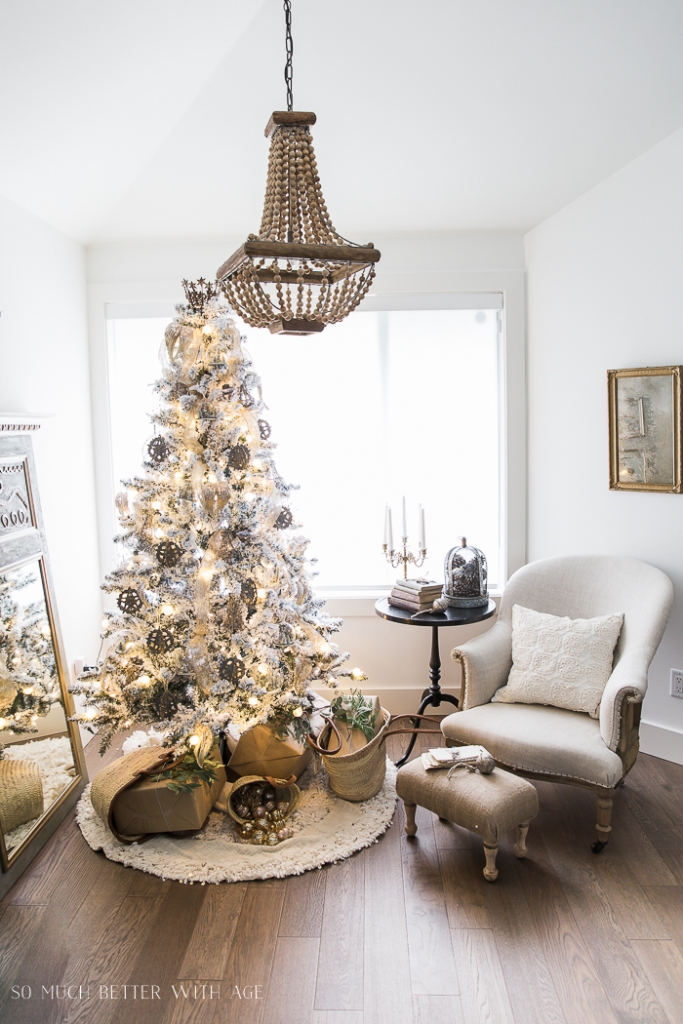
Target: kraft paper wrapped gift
(259,752)
(150,806)
(354,739)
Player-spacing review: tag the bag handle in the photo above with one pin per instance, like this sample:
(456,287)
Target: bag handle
(280,783)
(311,740)
(415,730)
(397,732)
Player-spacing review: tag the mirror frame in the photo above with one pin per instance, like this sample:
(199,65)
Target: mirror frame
(22,543)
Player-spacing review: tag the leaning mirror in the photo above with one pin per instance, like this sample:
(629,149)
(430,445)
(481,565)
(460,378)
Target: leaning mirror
(41,758)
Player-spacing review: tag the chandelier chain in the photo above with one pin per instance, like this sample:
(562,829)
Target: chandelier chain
(289,44)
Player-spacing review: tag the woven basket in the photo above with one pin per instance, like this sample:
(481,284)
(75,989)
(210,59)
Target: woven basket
(21,793)
(287,787)
(360,775)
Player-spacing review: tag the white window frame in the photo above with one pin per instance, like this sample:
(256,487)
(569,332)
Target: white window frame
(467,290)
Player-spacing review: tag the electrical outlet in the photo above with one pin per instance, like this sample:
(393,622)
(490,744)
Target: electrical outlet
(676,682)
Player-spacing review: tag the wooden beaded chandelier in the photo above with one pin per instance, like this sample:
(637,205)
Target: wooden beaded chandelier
(298,274)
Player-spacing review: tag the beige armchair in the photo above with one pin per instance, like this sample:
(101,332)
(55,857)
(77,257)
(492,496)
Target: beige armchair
(542,742)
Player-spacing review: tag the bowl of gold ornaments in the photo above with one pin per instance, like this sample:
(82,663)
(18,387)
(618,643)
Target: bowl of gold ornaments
(260,808)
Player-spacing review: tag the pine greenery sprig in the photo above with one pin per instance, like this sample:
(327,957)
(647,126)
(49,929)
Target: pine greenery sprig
(356,711)
(188,775)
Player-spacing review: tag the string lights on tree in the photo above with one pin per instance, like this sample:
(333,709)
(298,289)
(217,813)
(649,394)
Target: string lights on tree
(215,622)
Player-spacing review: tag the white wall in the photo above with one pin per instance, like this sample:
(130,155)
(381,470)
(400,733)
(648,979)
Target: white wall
(44,369)
(395,658)
(605,278)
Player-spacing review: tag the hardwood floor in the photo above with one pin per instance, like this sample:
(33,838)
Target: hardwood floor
(405,932)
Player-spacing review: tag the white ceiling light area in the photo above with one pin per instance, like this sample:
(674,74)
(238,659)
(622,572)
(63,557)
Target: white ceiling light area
(90,89)
(143,119)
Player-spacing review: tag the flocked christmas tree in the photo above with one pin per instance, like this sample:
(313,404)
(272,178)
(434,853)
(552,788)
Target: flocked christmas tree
(216,620)
(29,685)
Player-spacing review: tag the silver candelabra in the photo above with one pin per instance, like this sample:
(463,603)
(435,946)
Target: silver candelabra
(405,557)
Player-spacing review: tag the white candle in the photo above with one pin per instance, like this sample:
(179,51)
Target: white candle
(390,529)
(423,535)
(386,525)
(403,521)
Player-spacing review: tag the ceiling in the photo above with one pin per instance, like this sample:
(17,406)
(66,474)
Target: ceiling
(143,119)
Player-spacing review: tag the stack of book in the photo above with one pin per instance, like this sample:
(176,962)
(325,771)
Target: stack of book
(415,595)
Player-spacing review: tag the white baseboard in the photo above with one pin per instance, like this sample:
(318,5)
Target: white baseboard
(661,742)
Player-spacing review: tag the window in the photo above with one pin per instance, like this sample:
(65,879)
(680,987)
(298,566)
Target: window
(385,404)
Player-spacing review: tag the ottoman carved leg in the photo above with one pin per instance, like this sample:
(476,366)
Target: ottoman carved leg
(490,871)
(520,836)
(411,827)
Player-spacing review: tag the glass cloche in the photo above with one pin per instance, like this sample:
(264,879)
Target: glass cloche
(465,577)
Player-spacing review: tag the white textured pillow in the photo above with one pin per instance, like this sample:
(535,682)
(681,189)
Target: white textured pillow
(560,661)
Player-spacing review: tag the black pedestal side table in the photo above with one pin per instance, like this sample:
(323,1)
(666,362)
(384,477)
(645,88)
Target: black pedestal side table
(433,697)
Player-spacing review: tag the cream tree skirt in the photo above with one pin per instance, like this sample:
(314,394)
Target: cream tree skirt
(326,829)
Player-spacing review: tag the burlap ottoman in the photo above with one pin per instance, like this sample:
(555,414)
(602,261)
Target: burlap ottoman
(489,805)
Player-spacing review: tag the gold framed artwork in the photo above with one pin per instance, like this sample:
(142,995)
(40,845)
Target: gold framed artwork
(645,429)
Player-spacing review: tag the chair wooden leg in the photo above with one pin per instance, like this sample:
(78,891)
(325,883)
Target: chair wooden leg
(411,827)
(604,808)
(490,871)
(520,844)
